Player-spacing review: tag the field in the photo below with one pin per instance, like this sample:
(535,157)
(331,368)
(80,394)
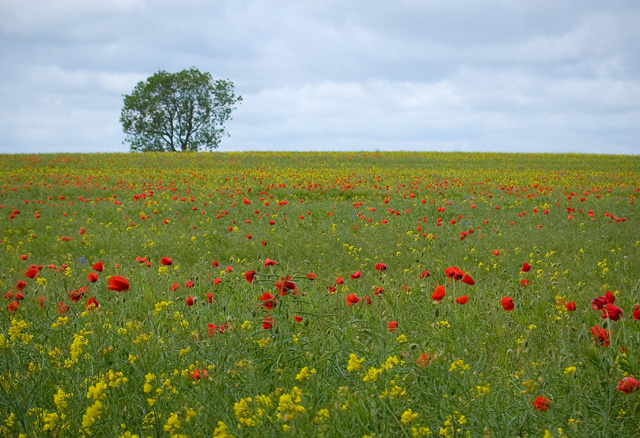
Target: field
(319,294)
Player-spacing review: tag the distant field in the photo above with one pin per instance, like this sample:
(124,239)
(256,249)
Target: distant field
(319,294)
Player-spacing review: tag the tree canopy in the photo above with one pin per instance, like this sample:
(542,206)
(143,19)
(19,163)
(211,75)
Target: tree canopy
(183,111)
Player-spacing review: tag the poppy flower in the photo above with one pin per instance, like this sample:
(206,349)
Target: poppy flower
(188,301)
(526,267)
(610,297)
(267,323)
(352,299)
(199,374)
(92,303)
(229,269)
(189,284)
(600,336)
(381,267)
(367,300)
(62,308)
(332,289)
(217,281)
(310,276)
(507,304)
(598,303)
(118,283)
(214,264)
(468,280)
(378,290)
(175,287)
(92,277)
(570,306)
(285,285)
(166,261)
(392,326)
(141,259)
(454,272)
(98,267)
(628,385)
(31,273)
(524,282)
(636,313)
(21,285)
(541,403)
(462,300)
(496,252)
(269,262)
(356,275)
(210,297)
(612,312)
(297,318)
(438,294)
(19,296)
(76,296)
(211,329)
(268,300)
(249,276)
(423,360)
(41,301)
(13,306)
(339,280)
(424,274)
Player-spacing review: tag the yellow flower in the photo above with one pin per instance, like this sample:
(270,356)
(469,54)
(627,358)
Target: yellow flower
(305,373)
(408,416)
(570,370)
(355,363)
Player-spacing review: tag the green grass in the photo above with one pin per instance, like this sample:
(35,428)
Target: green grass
(485,365)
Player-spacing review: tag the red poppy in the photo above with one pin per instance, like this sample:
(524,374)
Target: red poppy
(600,336)
(249,276)
(339,280)
(310,276)
(356,275)
(98,267)
(507,304)
(166,261)
(612,312)
(524,282)
(214,264)
(526,267)
(454,272)
(118,283)
(636,313)
(462,300)
(24,257)
(62,308)
(297,318)
(19,296)
(189,284)
(628,385)
(92,303)
(210,297)
(570,306)
(13,306)
(332,289)
(496,252)
(392,326)
(424,274)
(598,303)
(367,300)
(41,301)
(76,296)
(378,290)
(285,285)
(141,259)
(198,374)
(217,281)
(541,403)
(352,299)
(438,294)
(211,329)
(229,269)
(31,273)
(269,301)
(175,287)
(21,285)
(381,267)
(267,323)
(269,262)
(423,360)
(188,301)
(468,280)
(92,277)
(609,297)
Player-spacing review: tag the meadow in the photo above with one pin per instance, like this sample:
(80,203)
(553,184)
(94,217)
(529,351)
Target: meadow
(319,295)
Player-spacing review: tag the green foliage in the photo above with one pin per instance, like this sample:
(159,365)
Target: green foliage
(183,111)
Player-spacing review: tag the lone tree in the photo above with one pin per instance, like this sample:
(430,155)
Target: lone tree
(182,111)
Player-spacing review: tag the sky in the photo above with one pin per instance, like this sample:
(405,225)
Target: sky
(463,75)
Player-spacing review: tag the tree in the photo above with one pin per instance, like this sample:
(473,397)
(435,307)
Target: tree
(182,111)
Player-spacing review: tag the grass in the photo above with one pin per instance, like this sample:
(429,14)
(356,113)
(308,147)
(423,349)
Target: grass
(146,363)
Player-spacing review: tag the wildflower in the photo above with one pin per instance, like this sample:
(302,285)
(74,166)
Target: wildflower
(612,312)
(423,360)
(438,294)
(468,280)
(249,276)
(92,277)
(454,273)
(541,403)
(267,323)
(297,318)
(31,273)
(352,299)
(524,282)
(526,267)
(356,275)
(166,261)
(98,267)
(92,303)
(462,300)
(268,300)
(339,280)
(628,385)
(408,416)
(570,306)
(381,267)
(355,363)
(424,274)
(305,373)
(636,313)
(222,431)
(310,276)
(507,304)
(392,326)
(188,301)
(118,283)
(269,262)
(285,285)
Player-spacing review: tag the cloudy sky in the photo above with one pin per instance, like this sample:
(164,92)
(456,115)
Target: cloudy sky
(463,75)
